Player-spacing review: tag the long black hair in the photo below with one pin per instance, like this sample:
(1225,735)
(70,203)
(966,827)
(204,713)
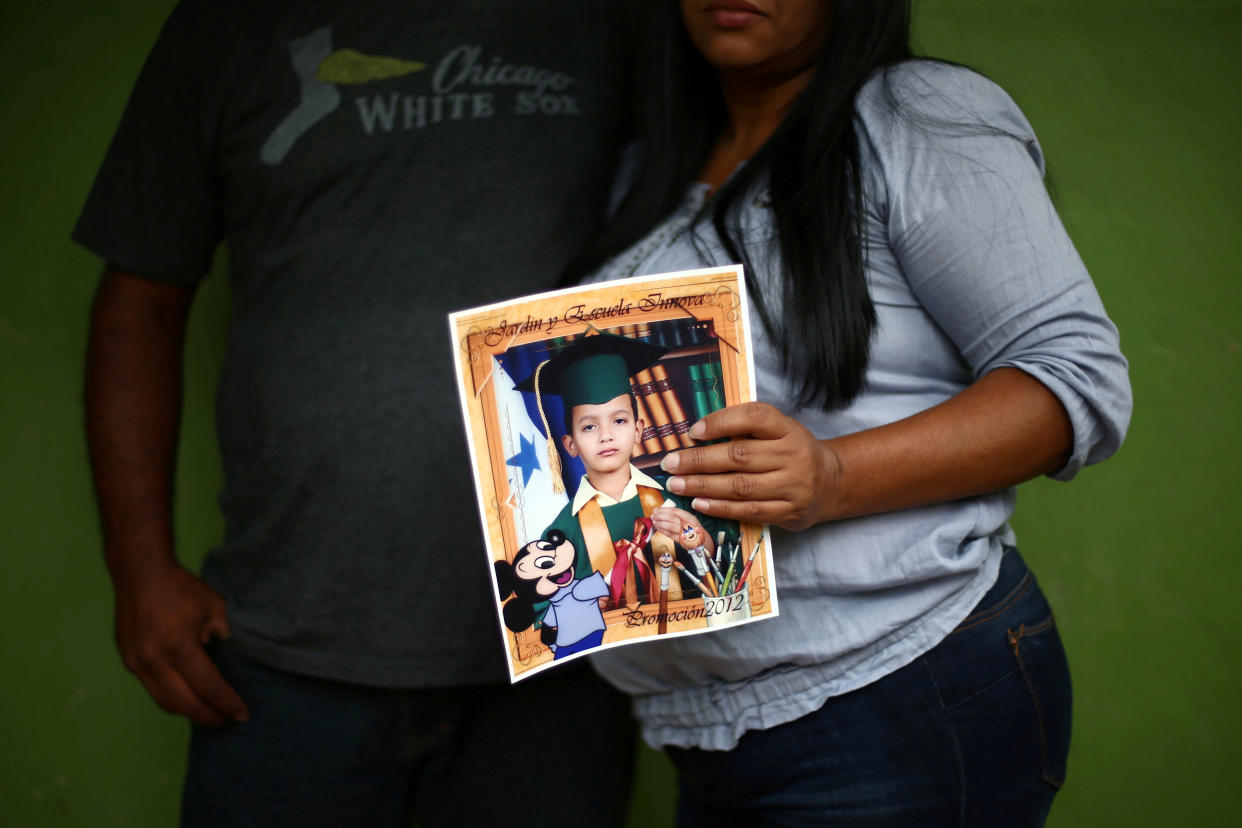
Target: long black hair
(813,177)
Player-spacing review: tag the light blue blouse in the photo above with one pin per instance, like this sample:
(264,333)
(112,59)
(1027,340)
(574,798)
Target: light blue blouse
(970,269)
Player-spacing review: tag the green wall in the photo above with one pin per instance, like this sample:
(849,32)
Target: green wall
(1135,105)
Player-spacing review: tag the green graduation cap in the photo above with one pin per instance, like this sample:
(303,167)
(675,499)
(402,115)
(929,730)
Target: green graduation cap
(593,369)
(589,371)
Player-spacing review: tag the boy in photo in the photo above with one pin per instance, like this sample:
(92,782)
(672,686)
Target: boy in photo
(605,516)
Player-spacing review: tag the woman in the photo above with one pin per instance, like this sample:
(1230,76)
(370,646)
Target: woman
(926,338)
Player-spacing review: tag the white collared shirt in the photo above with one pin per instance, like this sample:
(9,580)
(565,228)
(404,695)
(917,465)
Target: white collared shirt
(586,491)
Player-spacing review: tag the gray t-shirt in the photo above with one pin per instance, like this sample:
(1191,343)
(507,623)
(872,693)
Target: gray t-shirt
(970,270)
(370,166)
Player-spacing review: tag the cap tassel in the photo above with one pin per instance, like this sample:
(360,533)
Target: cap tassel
(554,457)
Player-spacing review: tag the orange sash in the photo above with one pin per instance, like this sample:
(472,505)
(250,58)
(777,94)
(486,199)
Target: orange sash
(603,554)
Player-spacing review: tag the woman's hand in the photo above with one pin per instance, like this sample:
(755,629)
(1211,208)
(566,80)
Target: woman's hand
(772,470)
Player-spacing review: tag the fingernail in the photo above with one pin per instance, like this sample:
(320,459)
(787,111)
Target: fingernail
(697,430)
(699,504)
(670,463)
(676,485)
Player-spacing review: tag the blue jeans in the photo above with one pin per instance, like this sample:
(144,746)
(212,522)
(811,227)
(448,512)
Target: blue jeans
(554,750)
(973,733)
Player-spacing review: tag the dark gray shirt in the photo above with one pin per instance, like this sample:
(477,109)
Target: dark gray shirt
(371,166)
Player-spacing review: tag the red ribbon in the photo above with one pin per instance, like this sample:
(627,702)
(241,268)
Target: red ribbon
(630,553)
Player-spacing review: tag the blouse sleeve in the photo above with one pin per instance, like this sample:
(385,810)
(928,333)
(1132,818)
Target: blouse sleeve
(983,248)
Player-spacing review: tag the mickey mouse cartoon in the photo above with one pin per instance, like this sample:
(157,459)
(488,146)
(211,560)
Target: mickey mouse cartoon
(543,570)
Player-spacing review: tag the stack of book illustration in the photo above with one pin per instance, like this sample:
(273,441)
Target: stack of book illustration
(690,372)
(682,388)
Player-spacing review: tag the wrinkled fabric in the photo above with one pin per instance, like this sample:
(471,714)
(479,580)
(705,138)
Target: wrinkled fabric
(970,269)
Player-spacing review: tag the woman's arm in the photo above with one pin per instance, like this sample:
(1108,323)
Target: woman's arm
(1001,430)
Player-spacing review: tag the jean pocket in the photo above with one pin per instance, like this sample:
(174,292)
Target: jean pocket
(1041,661)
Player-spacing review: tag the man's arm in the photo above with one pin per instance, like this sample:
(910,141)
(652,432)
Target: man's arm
(164,615)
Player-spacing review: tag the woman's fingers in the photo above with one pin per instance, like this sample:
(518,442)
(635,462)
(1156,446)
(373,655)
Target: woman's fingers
(755,432)
(775,512)
(772,469)
(752,455)
(754,419)
(777,485)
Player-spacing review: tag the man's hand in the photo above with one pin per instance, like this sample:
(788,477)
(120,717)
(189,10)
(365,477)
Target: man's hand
(165,616)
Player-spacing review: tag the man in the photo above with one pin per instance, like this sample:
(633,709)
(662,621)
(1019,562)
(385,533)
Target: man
(370,166)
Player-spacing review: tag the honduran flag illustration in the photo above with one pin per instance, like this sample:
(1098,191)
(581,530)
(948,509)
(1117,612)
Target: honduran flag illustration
(535,501)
